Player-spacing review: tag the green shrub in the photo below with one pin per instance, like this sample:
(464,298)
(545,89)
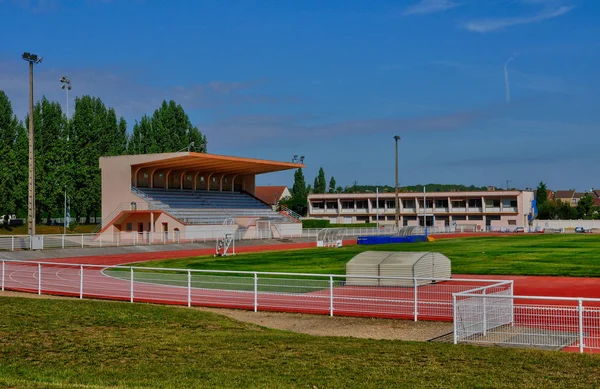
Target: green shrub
(315,223)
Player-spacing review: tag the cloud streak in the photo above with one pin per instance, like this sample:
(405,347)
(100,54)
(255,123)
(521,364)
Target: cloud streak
(127,92)
(495,24)
(506,83)
(430,6)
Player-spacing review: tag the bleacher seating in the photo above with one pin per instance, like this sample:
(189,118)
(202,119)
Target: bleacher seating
(209,207)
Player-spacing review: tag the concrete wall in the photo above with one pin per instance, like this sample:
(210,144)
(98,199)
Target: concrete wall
(116,180)
(587,224)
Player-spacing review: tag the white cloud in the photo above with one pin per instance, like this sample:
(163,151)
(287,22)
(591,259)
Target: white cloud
(430,6)
(494,24)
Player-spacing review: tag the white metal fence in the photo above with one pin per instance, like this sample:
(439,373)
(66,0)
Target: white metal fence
(527,321)
(132,238)
(286,292)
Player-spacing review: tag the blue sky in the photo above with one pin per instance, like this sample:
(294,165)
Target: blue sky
(480,91)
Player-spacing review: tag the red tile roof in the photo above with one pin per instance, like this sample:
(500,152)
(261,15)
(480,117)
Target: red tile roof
(564,194)
(268,194)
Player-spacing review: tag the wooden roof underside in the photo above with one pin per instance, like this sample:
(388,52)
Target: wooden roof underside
(211,163)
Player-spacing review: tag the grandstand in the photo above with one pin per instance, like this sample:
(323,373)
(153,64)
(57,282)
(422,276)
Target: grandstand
(183,195)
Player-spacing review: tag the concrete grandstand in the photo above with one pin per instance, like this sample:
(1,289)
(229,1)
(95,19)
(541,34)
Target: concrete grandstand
(180,196)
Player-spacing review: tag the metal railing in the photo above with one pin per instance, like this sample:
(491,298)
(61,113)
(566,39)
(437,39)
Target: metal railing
(527,321)
(331,294)
(111,216)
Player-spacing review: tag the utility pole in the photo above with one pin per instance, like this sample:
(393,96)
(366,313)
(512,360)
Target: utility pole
(32,59)
(397,138)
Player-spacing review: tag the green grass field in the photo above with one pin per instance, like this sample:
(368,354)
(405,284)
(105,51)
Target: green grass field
(68,343)
(549,255)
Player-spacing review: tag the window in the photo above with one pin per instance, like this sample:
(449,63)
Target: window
(214,179)
(459,217)
(474,202)
(512,222)
(408,203)
(390,204)
(225,179)
(348,204)
(317,204)
(475,217)
(129,227)
(202,179)
(443,203)
(161,175)
(361,204)
(145,174)
(332,204)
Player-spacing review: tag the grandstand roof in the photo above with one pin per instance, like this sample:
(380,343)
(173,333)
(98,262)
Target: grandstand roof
(216,163)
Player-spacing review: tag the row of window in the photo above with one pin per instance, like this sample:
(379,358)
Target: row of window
(439,203)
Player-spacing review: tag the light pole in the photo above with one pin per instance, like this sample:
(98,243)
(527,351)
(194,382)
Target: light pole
(66,85)
(397,138)
(32,59)
(377,207)
(65,221)
(275,197)
(425,209)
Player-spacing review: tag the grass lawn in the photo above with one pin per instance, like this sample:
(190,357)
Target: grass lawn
(67,343)
(552,255)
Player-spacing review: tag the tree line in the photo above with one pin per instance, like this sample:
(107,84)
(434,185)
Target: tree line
(67,151)
(555,209)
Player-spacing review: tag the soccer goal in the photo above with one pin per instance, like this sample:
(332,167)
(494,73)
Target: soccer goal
(330,237)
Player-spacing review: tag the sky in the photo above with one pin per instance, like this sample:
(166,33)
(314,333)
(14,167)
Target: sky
(481,92)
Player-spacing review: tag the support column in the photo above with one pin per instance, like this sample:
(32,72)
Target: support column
(208,181)
(152,178)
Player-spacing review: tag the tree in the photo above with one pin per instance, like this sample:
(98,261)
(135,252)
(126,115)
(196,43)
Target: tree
(332,185)
(541,196)
(298,201)
(95,132)
(547,211)
(9,129)
(564,211)
(585,207)
(52,167)
(320,184)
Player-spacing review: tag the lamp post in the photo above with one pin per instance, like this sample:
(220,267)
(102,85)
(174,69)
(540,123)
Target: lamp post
(275,197)
(397,138)
(32,59)
(66,85)
(377,207)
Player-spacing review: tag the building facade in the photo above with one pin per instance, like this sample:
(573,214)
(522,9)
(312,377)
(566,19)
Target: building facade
(479,209)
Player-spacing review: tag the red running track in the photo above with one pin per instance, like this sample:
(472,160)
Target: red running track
(351,301)
(310,295)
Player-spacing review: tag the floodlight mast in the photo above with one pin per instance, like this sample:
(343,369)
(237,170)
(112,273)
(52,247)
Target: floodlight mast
(32,59)
(66,85)
(397,138)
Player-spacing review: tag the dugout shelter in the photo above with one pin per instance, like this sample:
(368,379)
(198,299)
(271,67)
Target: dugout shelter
(425,266)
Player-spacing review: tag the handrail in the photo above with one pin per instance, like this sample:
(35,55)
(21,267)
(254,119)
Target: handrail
(290,212)
(110,217)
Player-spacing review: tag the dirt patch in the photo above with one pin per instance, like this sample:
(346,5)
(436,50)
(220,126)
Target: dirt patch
(320,325)
(356,327)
